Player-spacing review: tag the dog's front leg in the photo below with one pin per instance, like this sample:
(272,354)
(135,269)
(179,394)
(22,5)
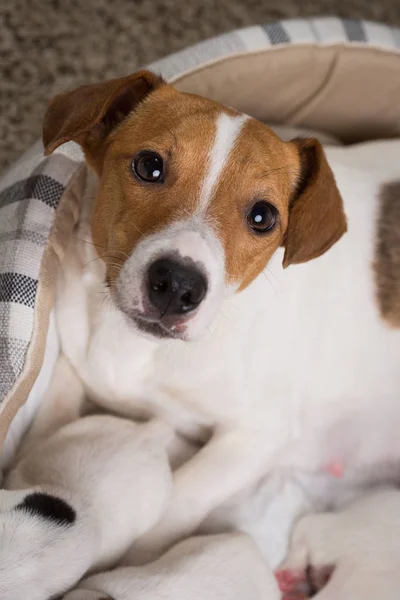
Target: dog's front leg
(220,567)
(227,464)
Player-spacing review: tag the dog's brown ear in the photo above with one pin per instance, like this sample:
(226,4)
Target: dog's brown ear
(316,214)
(88,114)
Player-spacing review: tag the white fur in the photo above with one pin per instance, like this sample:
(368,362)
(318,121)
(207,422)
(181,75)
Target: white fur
(227,131)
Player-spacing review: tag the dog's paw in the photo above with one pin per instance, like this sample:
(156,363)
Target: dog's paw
(292,583)
(308,566)
(312,543)
(302,584)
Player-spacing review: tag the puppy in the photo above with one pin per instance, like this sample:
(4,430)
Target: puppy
(77,501)
(353,554)
(224,567)
(191,214)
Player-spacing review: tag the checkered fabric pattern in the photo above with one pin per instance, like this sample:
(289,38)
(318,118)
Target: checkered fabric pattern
(31,190)
(29,195)
(329,30)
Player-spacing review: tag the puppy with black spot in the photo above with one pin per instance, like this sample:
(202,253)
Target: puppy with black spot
(77,501)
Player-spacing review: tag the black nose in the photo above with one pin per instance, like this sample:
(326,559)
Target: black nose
(175,288)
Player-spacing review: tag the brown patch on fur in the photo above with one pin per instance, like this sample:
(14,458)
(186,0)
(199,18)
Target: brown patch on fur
(317,219)
(89,113)
(387,258)
(297,180)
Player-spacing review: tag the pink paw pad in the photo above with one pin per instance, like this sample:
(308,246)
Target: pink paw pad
(301,585)
(293,584)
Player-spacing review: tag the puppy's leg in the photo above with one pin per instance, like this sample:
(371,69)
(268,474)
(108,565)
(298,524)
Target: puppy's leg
(226,465)
(102,481)
(358,548)
(222,567)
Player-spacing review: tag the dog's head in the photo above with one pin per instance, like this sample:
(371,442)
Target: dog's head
(194,197)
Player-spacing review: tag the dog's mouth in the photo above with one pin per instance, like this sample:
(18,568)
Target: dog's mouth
(158,328)
(151,322)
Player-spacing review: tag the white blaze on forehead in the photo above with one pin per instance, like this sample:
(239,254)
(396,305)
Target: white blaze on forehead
(227,130)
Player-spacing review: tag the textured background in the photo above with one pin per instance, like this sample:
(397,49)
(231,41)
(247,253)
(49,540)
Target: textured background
(48,45)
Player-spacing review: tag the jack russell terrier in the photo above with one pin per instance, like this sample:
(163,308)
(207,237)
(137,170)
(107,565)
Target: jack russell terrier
(192,213)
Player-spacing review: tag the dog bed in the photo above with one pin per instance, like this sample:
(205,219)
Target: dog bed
(338,76)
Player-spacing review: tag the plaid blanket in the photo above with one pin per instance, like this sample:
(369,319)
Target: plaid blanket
(31,190)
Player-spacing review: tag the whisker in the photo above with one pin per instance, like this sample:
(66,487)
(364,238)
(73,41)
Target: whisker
(107,298)
(104,257)
(90,262)
(267,279)
(137,229)
(94,259)
(115,265)
(88,242)
(271,274)
(114,251)
(124,254)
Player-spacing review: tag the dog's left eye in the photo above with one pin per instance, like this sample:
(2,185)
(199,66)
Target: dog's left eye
(149,167)
(262,217)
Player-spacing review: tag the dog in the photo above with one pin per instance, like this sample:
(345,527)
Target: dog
(192,214)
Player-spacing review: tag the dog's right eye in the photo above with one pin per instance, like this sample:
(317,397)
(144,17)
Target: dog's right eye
(149,167)
(262,217)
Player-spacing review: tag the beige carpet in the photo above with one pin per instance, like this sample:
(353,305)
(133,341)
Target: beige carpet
(48,45)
